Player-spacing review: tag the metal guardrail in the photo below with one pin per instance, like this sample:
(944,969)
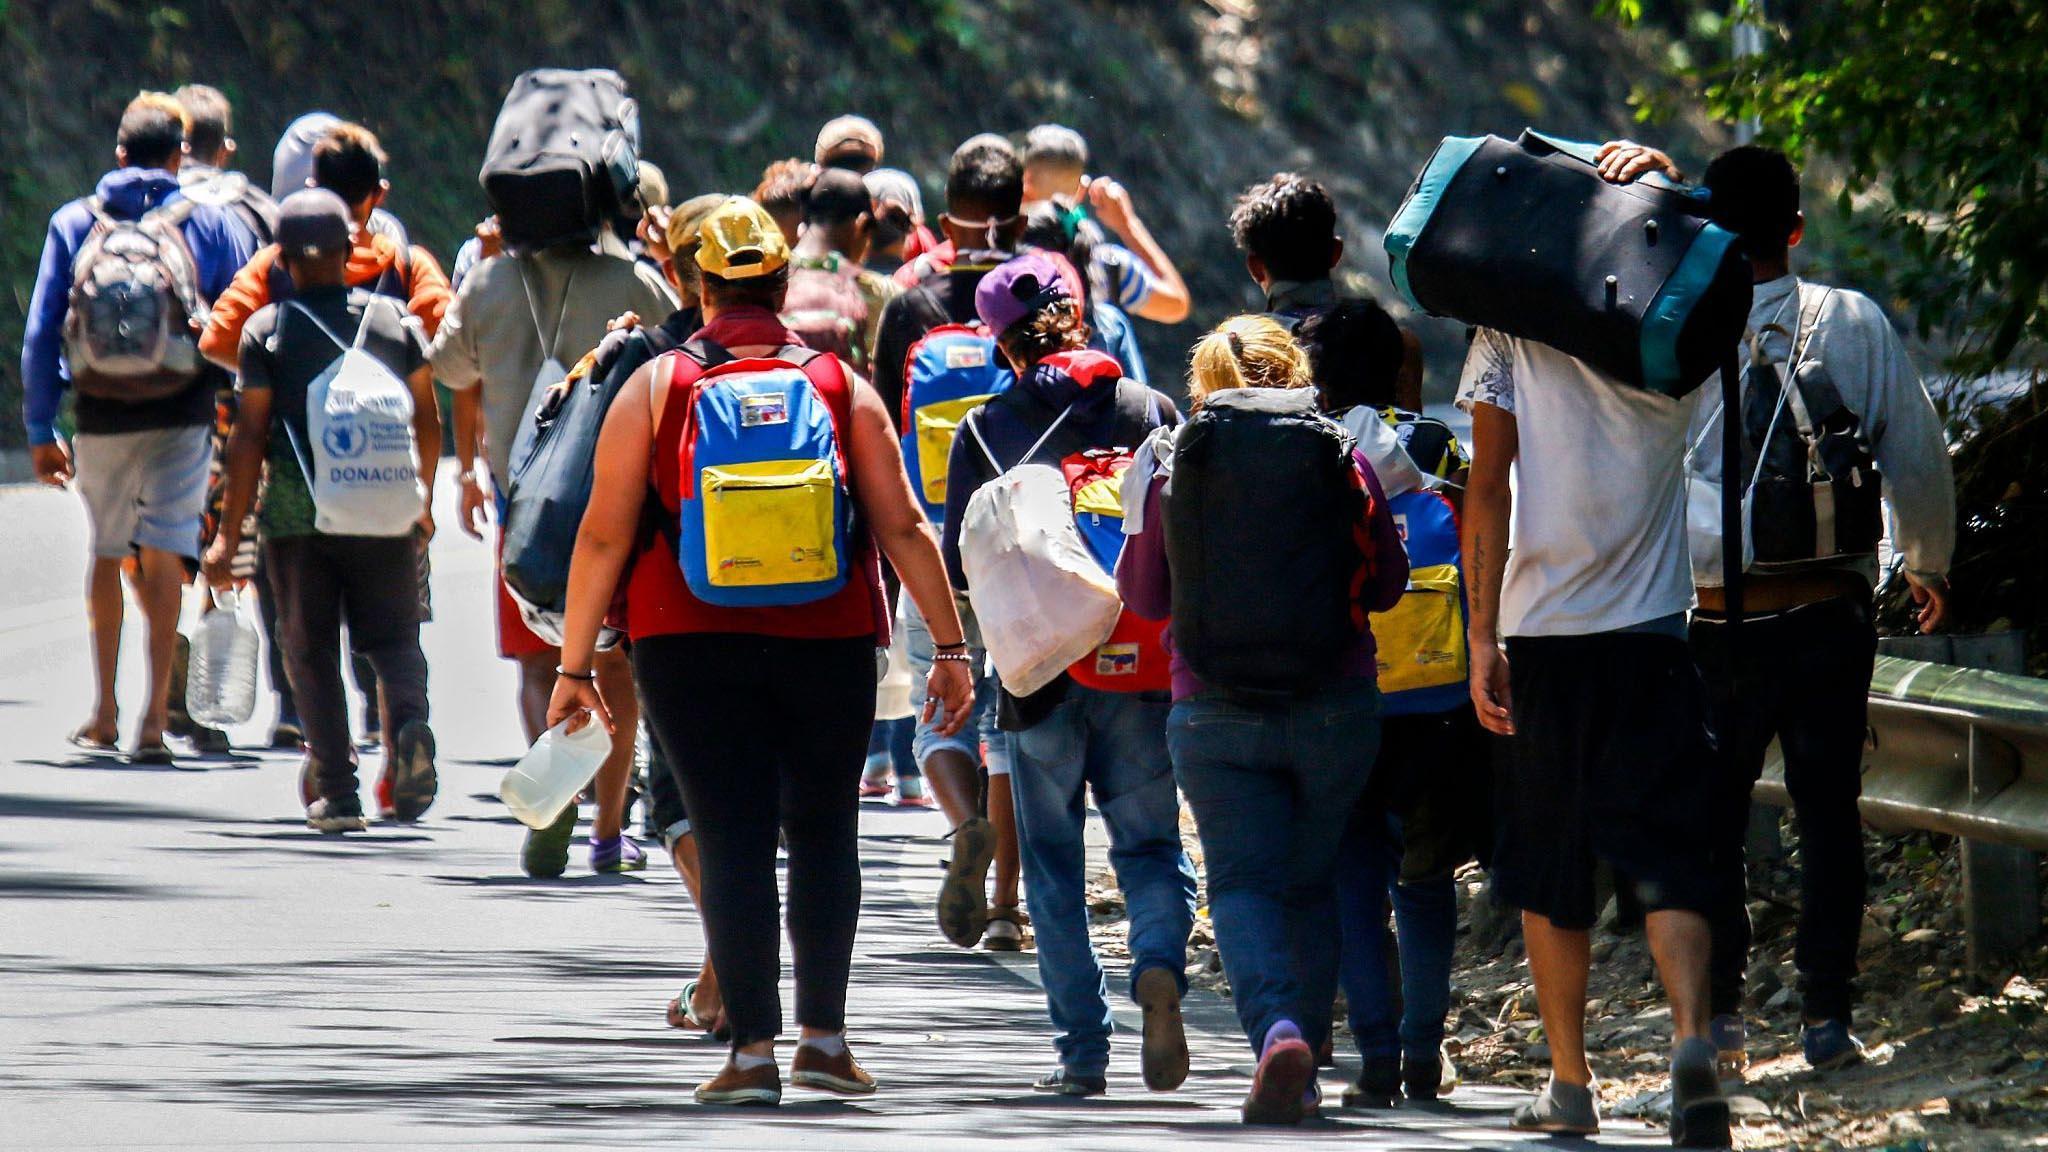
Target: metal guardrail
(1961,752)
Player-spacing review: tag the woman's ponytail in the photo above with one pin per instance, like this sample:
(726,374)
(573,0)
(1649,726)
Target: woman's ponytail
(1246,352)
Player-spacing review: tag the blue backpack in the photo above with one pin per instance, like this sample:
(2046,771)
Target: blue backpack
(952,370)
(1423,661)
(766,514)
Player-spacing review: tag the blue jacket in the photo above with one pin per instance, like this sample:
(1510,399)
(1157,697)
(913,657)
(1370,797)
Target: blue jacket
(219,248)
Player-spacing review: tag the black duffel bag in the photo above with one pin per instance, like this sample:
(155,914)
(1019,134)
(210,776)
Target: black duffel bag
(564,156)
(1526,238)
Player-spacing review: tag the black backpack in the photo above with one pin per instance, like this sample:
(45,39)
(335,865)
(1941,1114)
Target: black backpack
(1526,238)
(564,157)
(554,463)
(1261,516)
(1817,496)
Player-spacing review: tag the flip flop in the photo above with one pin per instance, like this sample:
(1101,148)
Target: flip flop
(679,1015)
(85,743)
(154,755)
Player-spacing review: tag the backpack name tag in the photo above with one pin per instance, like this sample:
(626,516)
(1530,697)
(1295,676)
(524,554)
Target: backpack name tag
(966,356)
(764,410)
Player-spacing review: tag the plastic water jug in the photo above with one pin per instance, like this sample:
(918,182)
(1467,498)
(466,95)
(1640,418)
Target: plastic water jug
(220,678)
(547,779)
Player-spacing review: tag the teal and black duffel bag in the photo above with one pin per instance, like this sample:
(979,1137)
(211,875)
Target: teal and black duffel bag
(1525,237)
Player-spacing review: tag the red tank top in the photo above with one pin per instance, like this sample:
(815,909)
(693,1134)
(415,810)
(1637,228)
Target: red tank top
(658,599)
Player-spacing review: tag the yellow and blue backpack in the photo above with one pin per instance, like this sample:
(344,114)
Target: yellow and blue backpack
(766,514)
(952,370)
(1423,660)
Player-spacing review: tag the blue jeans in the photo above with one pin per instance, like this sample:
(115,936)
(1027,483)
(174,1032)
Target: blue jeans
(1272,786)
(1387,1020)
(1114,743)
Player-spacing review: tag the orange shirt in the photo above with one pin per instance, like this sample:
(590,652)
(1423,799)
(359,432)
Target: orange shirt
(427,289)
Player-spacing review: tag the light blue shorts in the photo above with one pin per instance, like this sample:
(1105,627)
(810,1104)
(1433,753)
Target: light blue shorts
(144,489)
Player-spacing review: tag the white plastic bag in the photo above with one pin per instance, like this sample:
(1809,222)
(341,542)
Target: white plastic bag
(220,677)
(1041,597)
(547,779)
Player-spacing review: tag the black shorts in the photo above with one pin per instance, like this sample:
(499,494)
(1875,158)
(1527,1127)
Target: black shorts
(1612,762)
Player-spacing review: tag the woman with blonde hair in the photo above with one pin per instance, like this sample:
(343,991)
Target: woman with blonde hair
(1266,537)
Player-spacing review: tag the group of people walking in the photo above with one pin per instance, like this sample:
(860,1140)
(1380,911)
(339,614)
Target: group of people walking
(1363,652)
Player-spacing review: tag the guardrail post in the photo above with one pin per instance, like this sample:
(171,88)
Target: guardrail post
(2001,885)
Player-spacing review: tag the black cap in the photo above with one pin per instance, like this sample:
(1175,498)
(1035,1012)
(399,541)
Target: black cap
(314,222)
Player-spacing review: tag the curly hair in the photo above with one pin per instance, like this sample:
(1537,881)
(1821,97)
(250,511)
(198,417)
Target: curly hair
(1056,327)
(1290,223)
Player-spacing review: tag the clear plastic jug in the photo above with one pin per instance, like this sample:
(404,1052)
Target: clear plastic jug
(547,779)
(220,678)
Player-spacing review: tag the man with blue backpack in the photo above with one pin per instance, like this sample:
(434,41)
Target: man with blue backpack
(127,274)
(934,362)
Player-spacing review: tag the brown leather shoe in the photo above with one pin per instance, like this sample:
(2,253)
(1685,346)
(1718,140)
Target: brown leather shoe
(761,1087)
(1165,1054)
(840,1074)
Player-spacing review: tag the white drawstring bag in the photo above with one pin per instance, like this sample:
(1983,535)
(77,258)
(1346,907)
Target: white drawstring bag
(1042,599)
(360,457)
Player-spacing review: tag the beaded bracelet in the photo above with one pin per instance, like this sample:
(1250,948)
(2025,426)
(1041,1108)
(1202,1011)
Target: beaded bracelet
(962,657)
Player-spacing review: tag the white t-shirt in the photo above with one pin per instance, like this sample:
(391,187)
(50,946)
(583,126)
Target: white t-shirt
(1597,542)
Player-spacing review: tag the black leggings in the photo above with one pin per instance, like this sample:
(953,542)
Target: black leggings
(762,731)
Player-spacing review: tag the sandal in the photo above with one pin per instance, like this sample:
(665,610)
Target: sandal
(152,755)
(85,741)
(680,1015)
(1009,929)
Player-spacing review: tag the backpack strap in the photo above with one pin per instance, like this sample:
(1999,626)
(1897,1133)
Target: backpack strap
(974,426)
(547,343)
(301,309)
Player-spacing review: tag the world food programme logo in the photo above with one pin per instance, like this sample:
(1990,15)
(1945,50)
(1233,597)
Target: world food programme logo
(345,439)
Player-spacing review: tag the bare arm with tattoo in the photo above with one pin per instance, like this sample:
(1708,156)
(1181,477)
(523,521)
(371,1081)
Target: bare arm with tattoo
(1489,505)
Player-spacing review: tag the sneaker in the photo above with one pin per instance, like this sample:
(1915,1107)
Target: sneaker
(1280,1087)
(336,814)
(1699,1112)
(1560,1109)
(618,854)
(1427,1078)
(1009,929)
(1378,1084)
(545,854)
(413,782)
(1061,1082)
(288,735)
(1730,1045)
(1165,1054)
(812,1068)
(756,1087)
(1829,1045)
(963,899)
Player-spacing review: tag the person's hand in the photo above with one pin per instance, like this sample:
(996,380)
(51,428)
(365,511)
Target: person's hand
(654,231)
(1622,161)
(472,501)
(425,526)
(1490,692)
(1932,597)
(52,463)
(218,565)
(627,320)
(578,702)
(491,237)
(1111,202)
(951,685)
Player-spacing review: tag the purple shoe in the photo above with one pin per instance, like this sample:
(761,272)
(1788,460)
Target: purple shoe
(618,854)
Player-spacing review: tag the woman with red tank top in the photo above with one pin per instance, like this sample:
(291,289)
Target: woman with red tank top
(763,714)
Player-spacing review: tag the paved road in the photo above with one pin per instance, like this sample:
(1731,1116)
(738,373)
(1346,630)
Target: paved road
(183,964)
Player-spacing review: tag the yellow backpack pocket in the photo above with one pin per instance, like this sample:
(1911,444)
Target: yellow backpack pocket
(1421,640)
(937,424)
(769,522)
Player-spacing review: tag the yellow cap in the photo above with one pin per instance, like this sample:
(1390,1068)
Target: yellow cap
(739,241)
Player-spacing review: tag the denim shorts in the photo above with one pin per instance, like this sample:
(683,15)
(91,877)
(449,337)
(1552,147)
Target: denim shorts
(144,489)
(980,730)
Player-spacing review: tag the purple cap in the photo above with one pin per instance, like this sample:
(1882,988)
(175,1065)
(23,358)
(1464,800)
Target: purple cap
(1017,289)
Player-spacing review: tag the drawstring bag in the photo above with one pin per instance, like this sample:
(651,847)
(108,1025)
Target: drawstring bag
(359,456)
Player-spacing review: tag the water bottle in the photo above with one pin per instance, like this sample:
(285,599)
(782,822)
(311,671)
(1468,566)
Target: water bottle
(547,779)
(220,679)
